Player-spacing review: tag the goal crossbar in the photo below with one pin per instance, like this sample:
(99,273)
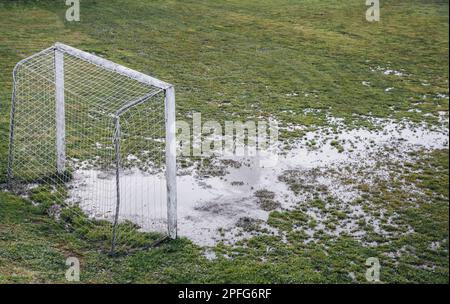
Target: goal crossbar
(109,65)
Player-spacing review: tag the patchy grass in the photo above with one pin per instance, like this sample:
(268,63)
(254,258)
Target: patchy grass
(244,59)
(297,61)
(33,247)
(266,200)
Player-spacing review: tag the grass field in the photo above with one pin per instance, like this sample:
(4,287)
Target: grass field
(246,59)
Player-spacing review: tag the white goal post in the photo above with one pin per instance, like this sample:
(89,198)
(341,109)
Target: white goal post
(109,103)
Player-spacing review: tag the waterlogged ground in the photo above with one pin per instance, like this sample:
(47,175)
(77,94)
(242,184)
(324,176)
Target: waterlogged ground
(363,166)
(229,199)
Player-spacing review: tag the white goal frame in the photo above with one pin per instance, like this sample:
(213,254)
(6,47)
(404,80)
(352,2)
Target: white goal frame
(170,125)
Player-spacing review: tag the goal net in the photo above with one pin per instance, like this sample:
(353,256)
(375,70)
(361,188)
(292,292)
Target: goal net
(92,143)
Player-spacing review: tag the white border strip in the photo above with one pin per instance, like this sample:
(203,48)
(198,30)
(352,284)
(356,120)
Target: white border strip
(109,65)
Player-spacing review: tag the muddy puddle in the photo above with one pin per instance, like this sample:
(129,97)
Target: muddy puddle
(217,208)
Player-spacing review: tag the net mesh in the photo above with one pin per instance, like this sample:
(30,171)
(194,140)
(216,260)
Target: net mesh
(112,190)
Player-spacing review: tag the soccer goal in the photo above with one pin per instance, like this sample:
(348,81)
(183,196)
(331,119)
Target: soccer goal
(93,144)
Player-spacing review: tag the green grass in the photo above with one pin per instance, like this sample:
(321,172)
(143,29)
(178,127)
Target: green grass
(33,248)
(245,59)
